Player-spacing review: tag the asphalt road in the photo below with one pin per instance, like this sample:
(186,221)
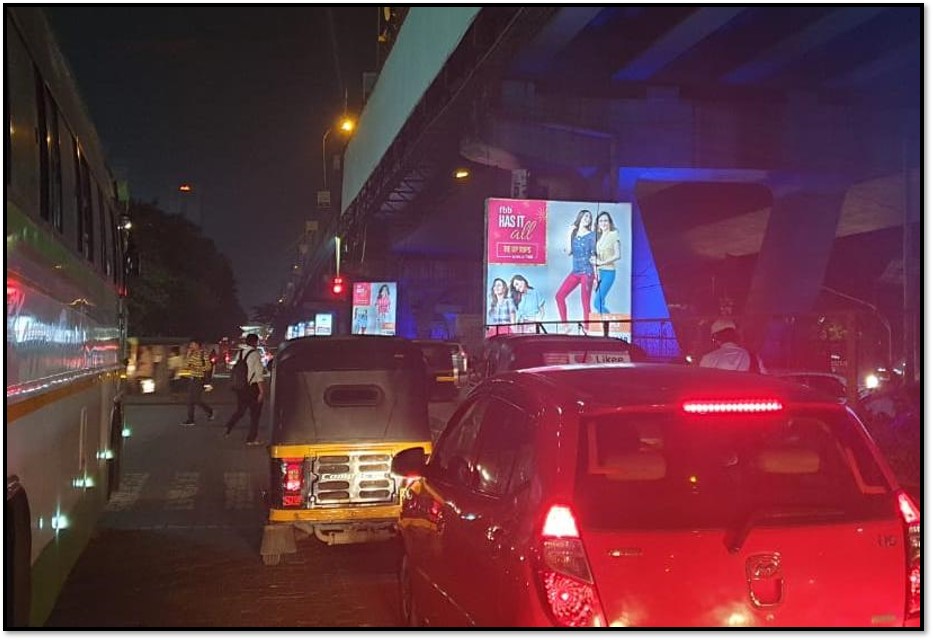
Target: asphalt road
(178,545)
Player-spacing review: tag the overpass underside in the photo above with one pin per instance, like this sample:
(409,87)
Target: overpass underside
(759,183)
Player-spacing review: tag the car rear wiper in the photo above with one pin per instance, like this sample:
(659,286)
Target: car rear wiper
(736,536)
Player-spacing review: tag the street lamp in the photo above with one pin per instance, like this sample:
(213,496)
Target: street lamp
(346,127)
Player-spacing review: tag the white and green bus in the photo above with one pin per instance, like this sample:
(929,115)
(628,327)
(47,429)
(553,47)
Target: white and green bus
(66,262)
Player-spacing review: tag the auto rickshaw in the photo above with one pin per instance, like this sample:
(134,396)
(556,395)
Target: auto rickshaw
(341,406)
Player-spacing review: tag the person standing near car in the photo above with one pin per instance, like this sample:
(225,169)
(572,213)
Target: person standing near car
(198,364)
(728,353)
(252,393)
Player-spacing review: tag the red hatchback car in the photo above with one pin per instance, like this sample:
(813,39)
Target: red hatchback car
(655,496)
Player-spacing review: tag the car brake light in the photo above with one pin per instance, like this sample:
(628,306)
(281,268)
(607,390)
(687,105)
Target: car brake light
(292,481)
(560,523)
(758,405)
(910,515)
(564,573)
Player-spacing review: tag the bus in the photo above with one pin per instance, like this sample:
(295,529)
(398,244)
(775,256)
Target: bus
(67,241)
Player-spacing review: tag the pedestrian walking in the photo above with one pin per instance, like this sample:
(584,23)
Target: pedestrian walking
(246,378)
(198,364)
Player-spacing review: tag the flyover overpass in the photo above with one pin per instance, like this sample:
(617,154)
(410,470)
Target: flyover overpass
(762,134)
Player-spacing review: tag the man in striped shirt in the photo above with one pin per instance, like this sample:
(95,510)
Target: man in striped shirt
(198,363)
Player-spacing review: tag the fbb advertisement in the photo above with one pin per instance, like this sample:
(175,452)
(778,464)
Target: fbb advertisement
(568,264)
(374,308)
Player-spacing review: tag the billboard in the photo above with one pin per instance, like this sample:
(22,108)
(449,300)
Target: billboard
(323,324)
(374,305)
(567,264)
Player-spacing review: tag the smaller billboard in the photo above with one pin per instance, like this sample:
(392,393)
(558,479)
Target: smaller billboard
(374,306)
(323,324)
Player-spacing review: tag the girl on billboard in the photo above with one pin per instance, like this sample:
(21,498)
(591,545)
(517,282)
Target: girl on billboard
(529,305)
(582,248)
(501,307)
(608,252)
(383,305)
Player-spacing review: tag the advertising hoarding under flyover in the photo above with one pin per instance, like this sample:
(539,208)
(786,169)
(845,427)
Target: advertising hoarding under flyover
(562,263)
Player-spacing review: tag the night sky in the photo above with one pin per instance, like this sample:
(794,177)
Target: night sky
(231,99)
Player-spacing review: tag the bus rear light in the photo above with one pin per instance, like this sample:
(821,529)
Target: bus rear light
(705,407)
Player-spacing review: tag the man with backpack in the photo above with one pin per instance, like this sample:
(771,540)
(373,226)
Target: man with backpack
(246,378)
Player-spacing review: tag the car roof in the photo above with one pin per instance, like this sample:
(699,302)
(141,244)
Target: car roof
(550,338)
(627,384)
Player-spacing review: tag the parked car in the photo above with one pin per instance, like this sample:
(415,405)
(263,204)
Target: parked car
(511,352)
(447,366)
(341,408)
(654,495)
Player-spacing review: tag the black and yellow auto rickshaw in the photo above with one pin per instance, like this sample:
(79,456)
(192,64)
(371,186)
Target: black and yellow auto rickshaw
(341,408)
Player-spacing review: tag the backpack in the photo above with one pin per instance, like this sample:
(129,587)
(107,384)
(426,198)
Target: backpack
(239,375)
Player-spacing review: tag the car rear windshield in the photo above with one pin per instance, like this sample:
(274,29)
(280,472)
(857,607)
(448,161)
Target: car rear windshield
(358,356)
(656,470)
(544,355)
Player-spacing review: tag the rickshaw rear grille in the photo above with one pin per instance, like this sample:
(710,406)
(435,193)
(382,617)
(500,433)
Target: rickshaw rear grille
(354,479)
(327,496)
(374,494)
(334,468)
(374,484)
(332,486)
(374,467)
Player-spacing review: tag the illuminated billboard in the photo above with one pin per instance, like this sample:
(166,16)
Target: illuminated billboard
(323,324)
(565,264)
(374,308)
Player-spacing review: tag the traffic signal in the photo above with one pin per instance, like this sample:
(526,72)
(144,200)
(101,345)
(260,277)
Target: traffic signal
(337,286)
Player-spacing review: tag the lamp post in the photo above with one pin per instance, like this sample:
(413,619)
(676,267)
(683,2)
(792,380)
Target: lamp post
(345,126)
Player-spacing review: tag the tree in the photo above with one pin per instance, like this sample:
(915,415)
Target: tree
(265,313)
(185,286)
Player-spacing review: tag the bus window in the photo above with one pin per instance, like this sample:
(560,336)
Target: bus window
(85,207)
(102,230)
(24,178)
(50,163)
(69,184)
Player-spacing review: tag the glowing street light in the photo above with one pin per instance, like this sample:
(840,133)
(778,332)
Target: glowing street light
(185,188)
(462,174)
(345,126)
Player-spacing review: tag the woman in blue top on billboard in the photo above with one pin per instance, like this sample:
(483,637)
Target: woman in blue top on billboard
(608,252)
(501,307)
(582,248)
(529,305)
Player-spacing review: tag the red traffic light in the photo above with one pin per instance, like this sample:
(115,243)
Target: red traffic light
(336,285)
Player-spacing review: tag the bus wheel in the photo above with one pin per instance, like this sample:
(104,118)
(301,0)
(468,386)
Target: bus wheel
(18,552)
(116,447)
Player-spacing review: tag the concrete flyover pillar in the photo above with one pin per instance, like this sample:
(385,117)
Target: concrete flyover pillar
(792,263)
(795,250)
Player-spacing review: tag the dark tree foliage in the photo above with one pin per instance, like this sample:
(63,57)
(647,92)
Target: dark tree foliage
(265,313)
(185,285)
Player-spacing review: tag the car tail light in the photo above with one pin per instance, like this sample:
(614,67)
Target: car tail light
(564,572)
(292,481)
(910,515)
(756,405)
